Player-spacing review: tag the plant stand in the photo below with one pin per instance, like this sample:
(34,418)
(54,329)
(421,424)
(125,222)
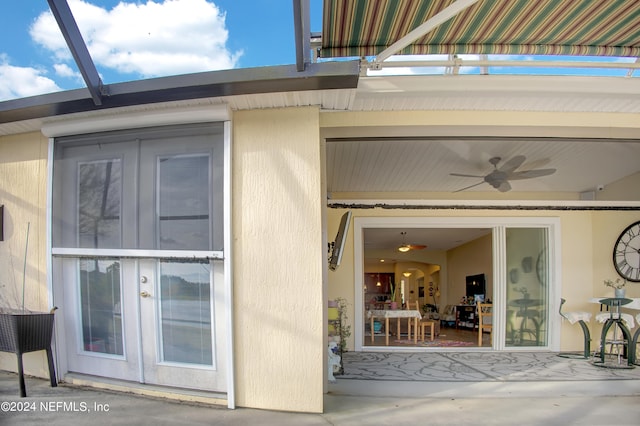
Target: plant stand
(28,332)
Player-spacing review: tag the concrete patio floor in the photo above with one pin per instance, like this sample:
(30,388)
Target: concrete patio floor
(595,400)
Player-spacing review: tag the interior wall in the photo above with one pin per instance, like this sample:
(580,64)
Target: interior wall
(472,258)
(624,189)
(278,260)
(23,177)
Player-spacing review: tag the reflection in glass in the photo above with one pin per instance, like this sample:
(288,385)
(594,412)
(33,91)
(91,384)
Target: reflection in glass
(183,197)
(99,200)
(186,312)
(101,306)
(527,287)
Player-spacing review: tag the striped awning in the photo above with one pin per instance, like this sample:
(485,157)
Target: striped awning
(355,28)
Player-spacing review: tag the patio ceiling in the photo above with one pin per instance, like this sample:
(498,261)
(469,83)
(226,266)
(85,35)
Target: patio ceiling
(515,27)
(425,164)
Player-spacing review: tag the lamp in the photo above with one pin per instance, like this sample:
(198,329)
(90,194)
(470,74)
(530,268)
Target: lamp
(404,247)
(406,274)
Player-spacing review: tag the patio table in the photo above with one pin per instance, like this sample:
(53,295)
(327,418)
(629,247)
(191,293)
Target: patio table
(386,314)
(527,314)
(615,319)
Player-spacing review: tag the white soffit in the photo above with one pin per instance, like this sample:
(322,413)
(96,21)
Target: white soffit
(498,93)
(132,120)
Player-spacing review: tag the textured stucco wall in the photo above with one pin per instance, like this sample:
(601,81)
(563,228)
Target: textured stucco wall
(278,259)
(23,174)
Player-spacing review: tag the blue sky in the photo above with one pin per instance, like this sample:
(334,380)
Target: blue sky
(131,40)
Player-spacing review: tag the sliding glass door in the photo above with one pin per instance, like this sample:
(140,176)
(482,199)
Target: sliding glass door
(518,258)
(527,296)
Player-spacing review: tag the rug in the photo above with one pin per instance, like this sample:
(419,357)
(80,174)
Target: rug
(466,366)
(436,343)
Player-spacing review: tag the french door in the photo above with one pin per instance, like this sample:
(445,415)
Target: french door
(138,248)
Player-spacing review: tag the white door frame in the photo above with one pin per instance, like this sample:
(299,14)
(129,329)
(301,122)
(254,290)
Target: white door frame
(498,226)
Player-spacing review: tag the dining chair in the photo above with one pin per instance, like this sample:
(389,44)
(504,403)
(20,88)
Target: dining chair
(410,321)
(422,324)
(485,320)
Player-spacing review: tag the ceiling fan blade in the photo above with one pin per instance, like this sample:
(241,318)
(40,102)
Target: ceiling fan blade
(417,246)
(504,187)
(528,174)
(463,175)
(470,186)
(512,164)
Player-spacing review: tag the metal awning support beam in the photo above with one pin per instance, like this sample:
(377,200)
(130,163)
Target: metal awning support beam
(437,20)
(456,62)
(632,70)
(71,33)
(213,84)
(302,24)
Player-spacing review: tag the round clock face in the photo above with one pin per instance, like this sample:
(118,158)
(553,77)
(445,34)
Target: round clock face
(541,267)
(626,253)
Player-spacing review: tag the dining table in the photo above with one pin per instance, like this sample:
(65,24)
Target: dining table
(411,314)
(618,320)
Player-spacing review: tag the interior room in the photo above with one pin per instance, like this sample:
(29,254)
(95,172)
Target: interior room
(434,267)
(445,274)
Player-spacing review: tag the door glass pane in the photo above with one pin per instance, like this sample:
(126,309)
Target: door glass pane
(527,287)
(183,198)
(101,306)
(99,200)
(185,312)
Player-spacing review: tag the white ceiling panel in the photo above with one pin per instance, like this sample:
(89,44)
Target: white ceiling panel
(425,165)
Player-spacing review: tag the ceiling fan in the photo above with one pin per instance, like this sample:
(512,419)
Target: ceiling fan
(406,247)
(499,177)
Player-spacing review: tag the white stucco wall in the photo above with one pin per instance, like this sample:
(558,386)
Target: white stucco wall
(278,259)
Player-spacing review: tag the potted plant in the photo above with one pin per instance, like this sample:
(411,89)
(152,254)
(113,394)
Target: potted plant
(617,285)
(524,291)
(345,328)
(393,304)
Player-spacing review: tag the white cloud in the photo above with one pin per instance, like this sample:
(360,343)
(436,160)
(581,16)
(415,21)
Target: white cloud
(64,70)
(149,39)
(19,82)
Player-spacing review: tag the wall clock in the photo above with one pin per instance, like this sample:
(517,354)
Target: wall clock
(541,267)
(626,253)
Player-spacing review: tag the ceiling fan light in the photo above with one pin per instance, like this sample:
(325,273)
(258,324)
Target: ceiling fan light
(404,248)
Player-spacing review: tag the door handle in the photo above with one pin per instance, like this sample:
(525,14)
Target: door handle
(145,294)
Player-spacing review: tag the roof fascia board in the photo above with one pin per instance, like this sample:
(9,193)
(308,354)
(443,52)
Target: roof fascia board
(302,25)
(438,19)
(285,78)
(71,34)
